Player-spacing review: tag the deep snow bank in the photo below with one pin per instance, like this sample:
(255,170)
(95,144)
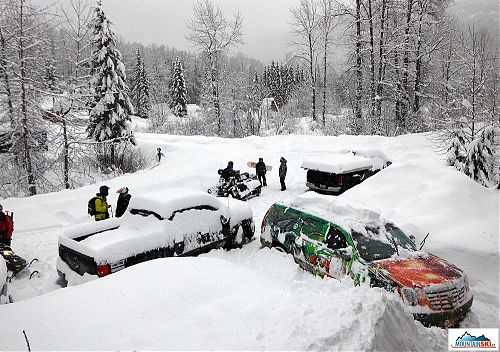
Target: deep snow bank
(417,192)
(209,303)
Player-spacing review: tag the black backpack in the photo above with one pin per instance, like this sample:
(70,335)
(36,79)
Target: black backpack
(91,207)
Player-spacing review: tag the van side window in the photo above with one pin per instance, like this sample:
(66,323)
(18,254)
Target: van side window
(335,239)
(314,229)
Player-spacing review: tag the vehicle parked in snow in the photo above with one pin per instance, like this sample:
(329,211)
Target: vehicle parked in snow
(163,224)
(335,240)
(343,170)
(242,186)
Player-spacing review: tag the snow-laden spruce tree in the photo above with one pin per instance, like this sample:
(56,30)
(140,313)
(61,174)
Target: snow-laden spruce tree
(482,157)
(140,90)
(178,91)
(456,151)
(472,143)
(111,105)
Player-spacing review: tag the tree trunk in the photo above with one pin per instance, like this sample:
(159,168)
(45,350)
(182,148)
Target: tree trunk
(406,65)
(66,153)
(215,94)
(313,78)
(24,105)
(398,106)
(372,69)
(323,113)
(359,74)
(8,93)
(381,68)
(418,64)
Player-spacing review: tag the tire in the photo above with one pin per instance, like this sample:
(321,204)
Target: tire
(280,248)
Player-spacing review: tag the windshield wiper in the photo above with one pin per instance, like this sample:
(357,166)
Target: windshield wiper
(423,241)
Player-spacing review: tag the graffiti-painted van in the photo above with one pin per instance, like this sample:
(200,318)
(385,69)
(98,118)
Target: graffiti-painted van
(337,241)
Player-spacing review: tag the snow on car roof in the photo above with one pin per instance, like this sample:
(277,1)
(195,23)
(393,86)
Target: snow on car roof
(338,163)
(336,210)
(346,161)
(165,202)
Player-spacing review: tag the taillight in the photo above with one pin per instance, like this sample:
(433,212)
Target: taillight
(103,270)
(340,180)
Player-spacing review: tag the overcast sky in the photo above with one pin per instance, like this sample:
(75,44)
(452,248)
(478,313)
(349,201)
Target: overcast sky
(266,31)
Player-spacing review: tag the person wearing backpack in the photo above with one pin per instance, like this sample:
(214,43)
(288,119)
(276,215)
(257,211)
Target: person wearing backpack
(6,227)
(123,200)
(98,206)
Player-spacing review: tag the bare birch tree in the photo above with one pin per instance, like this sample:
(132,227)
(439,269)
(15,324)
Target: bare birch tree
(305,22)
(213,34)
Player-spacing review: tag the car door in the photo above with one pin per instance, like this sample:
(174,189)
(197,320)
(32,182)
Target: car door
(337,251)
(324,246)
(285,228)
(312,233)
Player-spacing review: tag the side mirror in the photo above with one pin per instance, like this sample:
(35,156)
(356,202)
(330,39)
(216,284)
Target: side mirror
(343,253)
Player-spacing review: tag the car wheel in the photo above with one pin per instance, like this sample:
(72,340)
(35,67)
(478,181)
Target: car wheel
(280,248)
(239,236)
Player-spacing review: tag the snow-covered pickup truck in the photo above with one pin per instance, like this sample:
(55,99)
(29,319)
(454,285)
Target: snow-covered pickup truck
(341,171)
(164,224)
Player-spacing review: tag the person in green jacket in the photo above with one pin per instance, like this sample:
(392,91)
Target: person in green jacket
(101,204)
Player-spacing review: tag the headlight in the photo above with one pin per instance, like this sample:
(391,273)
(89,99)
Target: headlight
(409,296)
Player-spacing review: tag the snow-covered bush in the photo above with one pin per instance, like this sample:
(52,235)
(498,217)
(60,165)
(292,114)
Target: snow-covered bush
(127,159)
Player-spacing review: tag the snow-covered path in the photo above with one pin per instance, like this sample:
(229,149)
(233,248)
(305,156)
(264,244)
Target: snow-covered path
(417,192)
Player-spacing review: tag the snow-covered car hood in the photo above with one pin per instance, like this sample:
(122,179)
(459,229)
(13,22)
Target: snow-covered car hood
(420,271)
(238,210)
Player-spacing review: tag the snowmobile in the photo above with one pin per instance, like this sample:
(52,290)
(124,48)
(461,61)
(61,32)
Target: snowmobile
(15,264)
(242,186)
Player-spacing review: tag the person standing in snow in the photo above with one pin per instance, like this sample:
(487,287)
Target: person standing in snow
(123,200)
(282,173)
(261,170)
(159,154)
(6,227)
(101,204)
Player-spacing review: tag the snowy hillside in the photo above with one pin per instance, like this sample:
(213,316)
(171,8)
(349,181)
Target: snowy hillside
(253,298)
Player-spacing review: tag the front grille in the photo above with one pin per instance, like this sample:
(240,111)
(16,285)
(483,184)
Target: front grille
(447,298)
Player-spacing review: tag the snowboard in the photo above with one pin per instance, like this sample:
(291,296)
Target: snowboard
(252,165)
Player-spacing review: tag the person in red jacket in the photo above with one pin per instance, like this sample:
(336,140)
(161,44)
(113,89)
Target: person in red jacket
(6,227)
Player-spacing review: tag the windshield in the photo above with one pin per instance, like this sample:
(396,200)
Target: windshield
(399,236)
(373,246)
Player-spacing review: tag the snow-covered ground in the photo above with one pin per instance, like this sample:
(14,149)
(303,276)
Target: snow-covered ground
(253,298)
